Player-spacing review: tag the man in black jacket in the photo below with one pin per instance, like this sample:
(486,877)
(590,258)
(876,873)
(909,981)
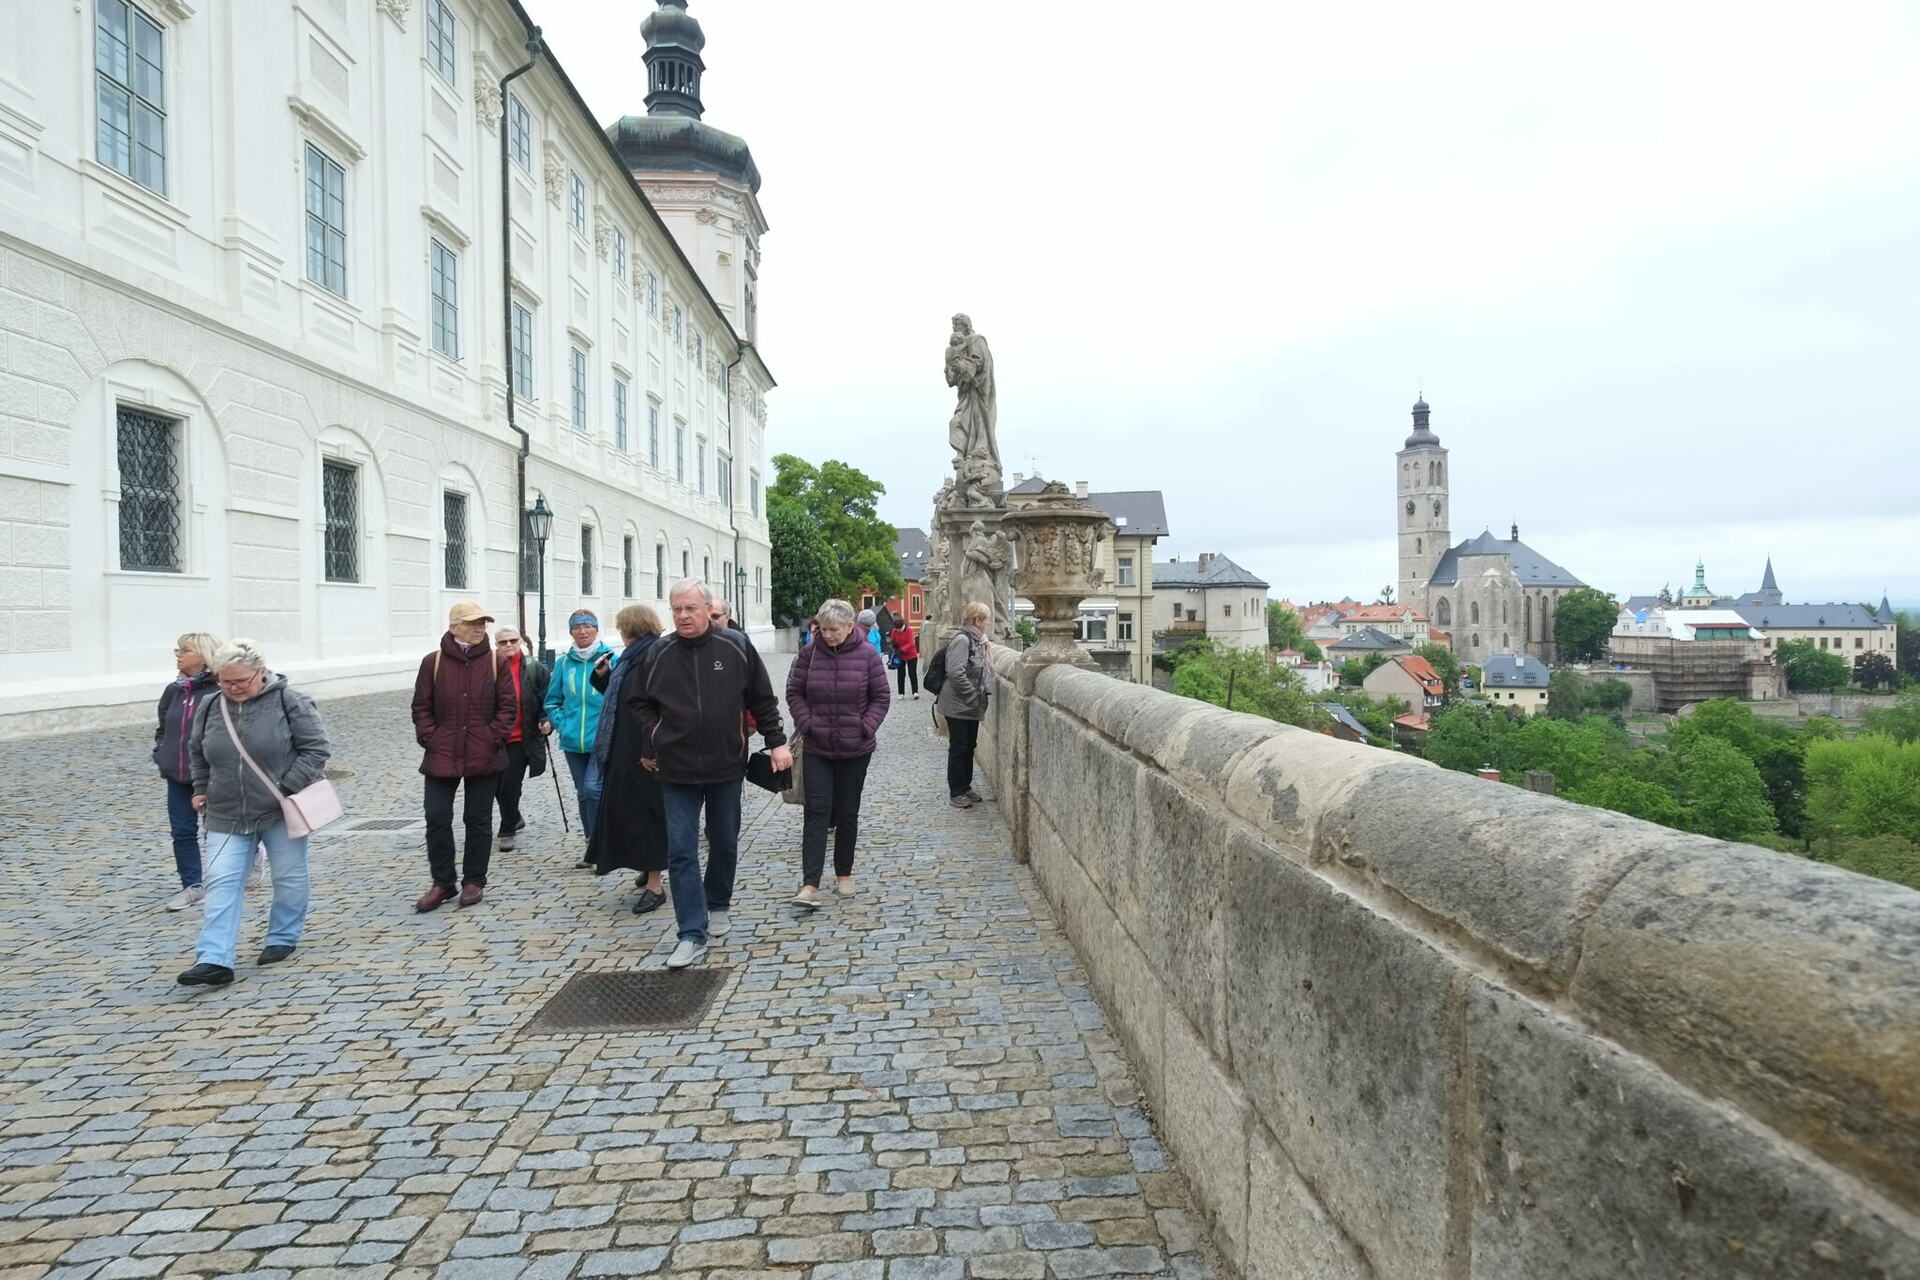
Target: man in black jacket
(698,687)
(527,748)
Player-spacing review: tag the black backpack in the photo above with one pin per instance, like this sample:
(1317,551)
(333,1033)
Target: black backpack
(935,678)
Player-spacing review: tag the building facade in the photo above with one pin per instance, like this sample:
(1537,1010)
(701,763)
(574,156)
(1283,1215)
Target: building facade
(1516,683)
(255,377)
(1696,654)
(1211,596)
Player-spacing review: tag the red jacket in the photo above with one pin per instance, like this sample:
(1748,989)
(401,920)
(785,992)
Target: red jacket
(464,710)
(904,644)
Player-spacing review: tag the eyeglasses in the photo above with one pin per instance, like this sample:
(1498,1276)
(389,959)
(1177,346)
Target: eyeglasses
(179,651)
(689,608)
(241,683)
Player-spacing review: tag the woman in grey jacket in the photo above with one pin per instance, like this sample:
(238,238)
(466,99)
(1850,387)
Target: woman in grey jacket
(963,701)
(283,733)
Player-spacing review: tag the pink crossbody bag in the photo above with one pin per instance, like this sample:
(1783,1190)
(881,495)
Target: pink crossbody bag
(306,810)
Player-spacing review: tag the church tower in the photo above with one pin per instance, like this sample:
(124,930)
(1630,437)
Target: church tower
(1421,512)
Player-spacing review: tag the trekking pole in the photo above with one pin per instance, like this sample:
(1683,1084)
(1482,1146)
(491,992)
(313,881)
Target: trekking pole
(557,798)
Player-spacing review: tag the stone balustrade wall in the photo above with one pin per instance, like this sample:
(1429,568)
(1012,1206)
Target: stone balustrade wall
(1398,1022)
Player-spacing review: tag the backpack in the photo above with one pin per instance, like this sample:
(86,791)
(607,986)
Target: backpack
(935,678)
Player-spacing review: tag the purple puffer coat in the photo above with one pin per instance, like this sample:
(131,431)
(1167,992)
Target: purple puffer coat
(838,695)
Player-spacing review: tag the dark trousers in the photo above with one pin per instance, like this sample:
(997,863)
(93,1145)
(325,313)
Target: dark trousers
(833,800)
(478,817)
(186,832)
(909,669)
(511,783)
(962,735)
(696,898)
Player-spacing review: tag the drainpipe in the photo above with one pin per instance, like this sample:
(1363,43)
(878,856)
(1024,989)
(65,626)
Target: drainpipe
(732,506)
(533,46)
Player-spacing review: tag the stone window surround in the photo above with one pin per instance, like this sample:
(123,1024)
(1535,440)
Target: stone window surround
(338,444)
(191,442)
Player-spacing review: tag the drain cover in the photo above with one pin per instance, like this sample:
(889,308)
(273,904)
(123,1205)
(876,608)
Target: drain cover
(649,1000)
(382,824)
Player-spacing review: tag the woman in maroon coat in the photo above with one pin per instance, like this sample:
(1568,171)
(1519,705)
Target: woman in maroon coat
(837,692)
(464,710)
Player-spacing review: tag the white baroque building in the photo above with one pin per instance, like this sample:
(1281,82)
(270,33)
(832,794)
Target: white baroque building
(255,339)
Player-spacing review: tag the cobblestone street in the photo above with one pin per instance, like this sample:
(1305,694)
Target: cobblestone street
(915,1084)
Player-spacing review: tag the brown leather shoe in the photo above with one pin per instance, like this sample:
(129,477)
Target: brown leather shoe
(471,893)
(433,898)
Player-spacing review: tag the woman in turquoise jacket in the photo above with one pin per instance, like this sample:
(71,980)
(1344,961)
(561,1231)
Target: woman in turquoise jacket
(573,710)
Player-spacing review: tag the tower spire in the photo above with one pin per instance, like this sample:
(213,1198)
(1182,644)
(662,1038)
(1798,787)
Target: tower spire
(674,41)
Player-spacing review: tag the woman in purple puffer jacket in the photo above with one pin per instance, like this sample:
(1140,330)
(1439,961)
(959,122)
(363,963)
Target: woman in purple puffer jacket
(837,692)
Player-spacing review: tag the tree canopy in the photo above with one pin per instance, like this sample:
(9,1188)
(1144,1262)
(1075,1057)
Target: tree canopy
(1582,623)
(1809,669)
(805,569)
(1203,671)
(842,501)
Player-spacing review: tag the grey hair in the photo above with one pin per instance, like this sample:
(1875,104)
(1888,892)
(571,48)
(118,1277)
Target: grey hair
(692,584)
(238,653)
(508,630)
(866,618)
(835,610)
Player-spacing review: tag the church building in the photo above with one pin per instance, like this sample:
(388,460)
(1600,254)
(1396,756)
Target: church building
(1493,595)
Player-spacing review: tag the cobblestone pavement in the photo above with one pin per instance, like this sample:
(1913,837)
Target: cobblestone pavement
(912,1085)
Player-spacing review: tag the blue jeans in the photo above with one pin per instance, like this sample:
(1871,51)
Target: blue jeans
(186,832)
(695,898)
(228,857)
(586,787)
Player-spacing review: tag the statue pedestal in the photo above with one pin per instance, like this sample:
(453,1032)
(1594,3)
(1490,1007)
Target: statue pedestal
(952,530)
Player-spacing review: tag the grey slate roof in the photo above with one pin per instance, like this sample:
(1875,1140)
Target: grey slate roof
(1032,484)
(1220,572)
(1508,671)
(1532,568)
(1834,616)
(1637,604)
(1367,640)
(1345,717)
(912,548)
(1138,512)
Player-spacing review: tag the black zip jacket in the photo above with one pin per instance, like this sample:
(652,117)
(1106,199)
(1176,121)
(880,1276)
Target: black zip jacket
(692,704)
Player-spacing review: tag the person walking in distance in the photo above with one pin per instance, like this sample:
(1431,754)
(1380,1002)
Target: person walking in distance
(526,745)
(257,740)
(863,622)
(631,833)
(464,710)
(721,614)
(184,694)
(697,687)
(837,692)
(962,700)
(573,709)
(907,650)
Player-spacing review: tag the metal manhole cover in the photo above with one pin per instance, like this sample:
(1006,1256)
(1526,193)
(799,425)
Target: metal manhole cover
(381,824)
(648,1000)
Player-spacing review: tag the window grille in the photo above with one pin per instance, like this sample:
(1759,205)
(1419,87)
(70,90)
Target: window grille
(586,559)
(626,567)
(130,93)
(446,299)
(340,496)
(454,510)
(149,492)
(441,27)
(520,132)
(326,221)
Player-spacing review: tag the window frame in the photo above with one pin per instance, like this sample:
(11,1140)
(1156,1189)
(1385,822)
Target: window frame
(520,351)
(619,254)
(628,551)
(455,550)
(577,203)
(653,433)
(347,528)
(577,387)
(148,498)
(700,465)
(519,132)
(443,41)
(622,439)
(587,550)
(1123,571)
(659,571)
(443,307)
(680,451)
(317,218)
(1123,627)
(138,22)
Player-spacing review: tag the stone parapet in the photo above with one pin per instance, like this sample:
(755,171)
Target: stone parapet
(1395,1021)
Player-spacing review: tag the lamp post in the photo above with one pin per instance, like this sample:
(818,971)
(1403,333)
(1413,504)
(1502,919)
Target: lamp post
(540,525)
(740,595)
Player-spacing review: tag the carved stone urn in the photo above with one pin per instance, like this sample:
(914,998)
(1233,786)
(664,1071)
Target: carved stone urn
(1058,538)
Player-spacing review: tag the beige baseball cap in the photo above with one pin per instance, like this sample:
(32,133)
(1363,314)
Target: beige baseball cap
(468,611)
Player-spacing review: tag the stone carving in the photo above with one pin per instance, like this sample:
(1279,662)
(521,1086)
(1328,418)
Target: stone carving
(602,232)
(556,174)
(969,368)
(1059,539)
(971,557)
(397,10)
(705,217)
(487,102)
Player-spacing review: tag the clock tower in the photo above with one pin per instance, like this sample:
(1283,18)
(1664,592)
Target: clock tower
(1421,514)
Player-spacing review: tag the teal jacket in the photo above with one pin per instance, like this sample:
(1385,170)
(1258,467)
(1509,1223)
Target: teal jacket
(573,704)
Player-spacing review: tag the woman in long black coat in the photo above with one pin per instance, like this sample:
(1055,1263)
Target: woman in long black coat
(631,832)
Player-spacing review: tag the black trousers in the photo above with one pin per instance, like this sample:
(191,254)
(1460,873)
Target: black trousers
(511,783)
(962,735)
(478,817)
(909,669)
(833,799)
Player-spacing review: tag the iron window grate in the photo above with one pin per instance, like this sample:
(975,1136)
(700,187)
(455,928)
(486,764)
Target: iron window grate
(340,494)
(149,492)
(456,521)
(646,1000)
(586,559)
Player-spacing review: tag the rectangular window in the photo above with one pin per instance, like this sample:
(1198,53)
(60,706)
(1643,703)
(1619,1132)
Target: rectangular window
(1091,630)
(706,570)
(577,202)
(532,562)
(1226,611)
(653,295)
(441,29)
(586,559)
(520,132)
(679,325)
(756,586)
(149,492)
(679,453)
(686,564)
(340,498)
(454,513)
(619,254)
(578,372)
(1859,642)
(522,352)
(1123,627)
(659,571)
(753,492)
(326,221)
(620,441)
(653,435)
(1126,571)
(723,479)
(700,464)
(130,93)
(444,271)
(626,566)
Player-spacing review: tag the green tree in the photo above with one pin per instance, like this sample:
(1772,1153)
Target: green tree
(1872,670)
(1566,696)
(1865,786)
(1575,752)
(1285,628)
(1722,790)
(843,502)
(1810,669)
(1608,695)
(1353,671)
(1629,795)
(1444,664)
(805,570)
(1205,673)
(1825,728)
(1906,644)
(1775,750)
(1901,721)
(1463,736)
(1582,623)
(1028,633)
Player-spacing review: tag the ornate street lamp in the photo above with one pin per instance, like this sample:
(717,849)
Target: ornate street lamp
(740,596)
(540,525)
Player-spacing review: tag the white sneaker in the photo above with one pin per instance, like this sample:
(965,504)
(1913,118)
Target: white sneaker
(718,924)
(808,897)
(191,896)
(259,865)
(687,953)
(844,887)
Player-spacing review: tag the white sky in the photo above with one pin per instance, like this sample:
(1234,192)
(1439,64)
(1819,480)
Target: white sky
(1656,266)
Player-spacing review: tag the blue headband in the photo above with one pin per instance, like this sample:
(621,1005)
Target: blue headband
(583,616)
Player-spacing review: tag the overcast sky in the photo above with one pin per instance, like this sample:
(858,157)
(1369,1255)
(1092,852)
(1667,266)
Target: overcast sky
(1655,266)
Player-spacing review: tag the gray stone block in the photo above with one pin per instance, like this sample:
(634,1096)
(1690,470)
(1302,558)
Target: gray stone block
(1286,784)
(1788,987)
(1205,1120)
(1173,907)
(1592,1164)
(1289,1234)
(1201,753)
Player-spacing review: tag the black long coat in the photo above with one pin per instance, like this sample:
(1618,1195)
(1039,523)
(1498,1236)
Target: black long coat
(631,832)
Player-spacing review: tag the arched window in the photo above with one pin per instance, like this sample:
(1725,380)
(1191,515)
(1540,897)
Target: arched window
(1444,612)
(1528,601)
(1419,546)
(1476,639)
(1503,612)
(1504,642)
(1436,508)
(1473,613)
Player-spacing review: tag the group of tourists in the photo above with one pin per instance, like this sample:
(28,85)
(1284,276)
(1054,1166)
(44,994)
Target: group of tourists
(655,734)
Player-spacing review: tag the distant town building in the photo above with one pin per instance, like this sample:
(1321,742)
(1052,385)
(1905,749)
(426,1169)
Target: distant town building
(1515,681)
(1837,625)
(1343,726)
(1695,654)
(1401,620)
(1365,641)
(1116,627)
(1410,678)
(1211,596)
(910,548)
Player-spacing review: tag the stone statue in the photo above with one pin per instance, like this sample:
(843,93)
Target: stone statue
(1000,553)
(970,372)
(983,568)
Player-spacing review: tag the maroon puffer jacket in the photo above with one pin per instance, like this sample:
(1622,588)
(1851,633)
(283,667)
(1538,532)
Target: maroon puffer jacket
(464,714)
(838,696)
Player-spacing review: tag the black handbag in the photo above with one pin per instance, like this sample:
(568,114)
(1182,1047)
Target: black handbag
(762,774)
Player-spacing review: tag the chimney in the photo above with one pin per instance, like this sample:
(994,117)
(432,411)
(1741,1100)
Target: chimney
(1017,477)
(1206,558)
(1488,772)
(1080,490)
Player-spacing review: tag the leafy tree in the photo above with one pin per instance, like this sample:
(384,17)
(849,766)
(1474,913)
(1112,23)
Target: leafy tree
(1775,750)
(1353,671)
(1386,594)
(1811,669)
(805,570)
(1901,721)
(1285,628)
(1200,681)
(1889,857)
(1310,651)
(1466,735)
(1826,728)
(1444,664)
(1865,786)
(1582,623)
(1566,696)
(1906,644)
(1666,594)
(1722,790)
(1575,752)
(1028,633)
(1608,695)
(1202,671)
(1629,795)
(1871,670)
(842,502)
(1375,717)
